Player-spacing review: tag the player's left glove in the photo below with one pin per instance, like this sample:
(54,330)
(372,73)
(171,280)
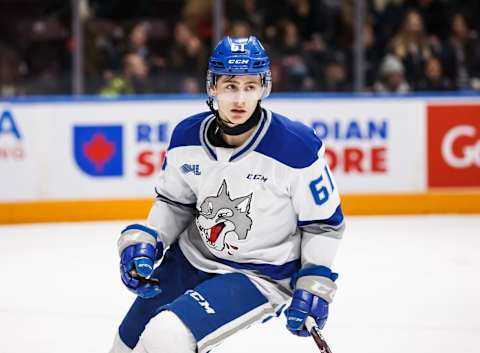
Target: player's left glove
(314,290)
(139,249)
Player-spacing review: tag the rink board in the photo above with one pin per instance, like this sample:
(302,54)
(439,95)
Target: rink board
(381,204)
(98,159)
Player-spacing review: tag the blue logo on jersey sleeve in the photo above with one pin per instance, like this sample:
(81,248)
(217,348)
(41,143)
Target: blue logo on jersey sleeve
(98,150)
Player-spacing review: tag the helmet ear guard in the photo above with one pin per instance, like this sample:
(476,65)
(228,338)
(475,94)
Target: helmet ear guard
(267,84)
(210,82)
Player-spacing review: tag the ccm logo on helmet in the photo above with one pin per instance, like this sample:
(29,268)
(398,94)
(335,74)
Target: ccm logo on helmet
(470,153)
(238,61)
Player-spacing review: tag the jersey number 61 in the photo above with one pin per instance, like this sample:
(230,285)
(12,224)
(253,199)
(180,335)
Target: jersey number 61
(320,192)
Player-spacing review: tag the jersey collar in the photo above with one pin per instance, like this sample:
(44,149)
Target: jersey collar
(248,146)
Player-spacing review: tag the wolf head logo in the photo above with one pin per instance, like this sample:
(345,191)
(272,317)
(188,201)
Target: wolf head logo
(220,216)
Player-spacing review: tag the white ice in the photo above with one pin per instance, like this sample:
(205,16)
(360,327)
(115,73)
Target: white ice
(407,284)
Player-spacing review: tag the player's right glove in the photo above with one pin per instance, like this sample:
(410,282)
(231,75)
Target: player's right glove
(139,249)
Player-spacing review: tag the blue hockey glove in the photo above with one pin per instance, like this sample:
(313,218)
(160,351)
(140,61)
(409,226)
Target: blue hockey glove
(305,304)
(314,290)
(139,249)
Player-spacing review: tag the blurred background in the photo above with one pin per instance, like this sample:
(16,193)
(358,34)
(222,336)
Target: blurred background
(113,47)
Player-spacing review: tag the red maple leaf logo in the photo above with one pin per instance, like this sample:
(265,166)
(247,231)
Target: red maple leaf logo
(99,150)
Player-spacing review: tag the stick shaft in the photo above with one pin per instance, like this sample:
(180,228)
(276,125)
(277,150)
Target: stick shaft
(317,335)
(143,280)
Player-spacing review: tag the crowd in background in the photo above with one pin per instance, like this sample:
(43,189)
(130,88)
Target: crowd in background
(158,46)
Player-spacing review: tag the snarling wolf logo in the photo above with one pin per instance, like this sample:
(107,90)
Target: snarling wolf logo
(221,217)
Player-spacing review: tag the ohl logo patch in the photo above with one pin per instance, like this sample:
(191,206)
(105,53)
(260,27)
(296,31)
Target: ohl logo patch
(98,150)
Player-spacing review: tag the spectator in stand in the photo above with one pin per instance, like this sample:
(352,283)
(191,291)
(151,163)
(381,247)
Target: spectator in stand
(461,54)
(372,57)
(197,15)
(188,57)
(250,11)
(343,37)
(411,45)
(387,16)
(9,73)
(392,77)
(335,74)
(136,72)
(315,52)
(434,13)
(304,14)
(316,45)
(434,79)
(137,41)
(134,79)
(299,35)
(240,29)
(372,54)
(103,50)
(293,63)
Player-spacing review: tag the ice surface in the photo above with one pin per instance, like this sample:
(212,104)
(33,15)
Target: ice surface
(407,284)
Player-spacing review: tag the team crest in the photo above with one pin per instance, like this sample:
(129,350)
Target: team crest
(222,218)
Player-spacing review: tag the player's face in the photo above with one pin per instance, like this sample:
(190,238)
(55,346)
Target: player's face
(237,97)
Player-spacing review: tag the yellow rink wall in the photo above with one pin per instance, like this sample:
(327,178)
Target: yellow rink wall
(441,202)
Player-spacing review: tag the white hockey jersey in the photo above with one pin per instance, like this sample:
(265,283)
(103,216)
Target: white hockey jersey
(266,208)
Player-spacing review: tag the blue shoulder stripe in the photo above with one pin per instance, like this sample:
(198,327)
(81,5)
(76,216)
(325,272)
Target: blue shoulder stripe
(187,132)
(290,142)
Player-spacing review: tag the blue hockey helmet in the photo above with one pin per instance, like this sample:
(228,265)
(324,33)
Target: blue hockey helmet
(239,56)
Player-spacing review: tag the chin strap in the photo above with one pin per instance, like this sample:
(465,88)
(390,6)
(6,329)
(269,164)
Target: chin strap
(237,129)
(209,103)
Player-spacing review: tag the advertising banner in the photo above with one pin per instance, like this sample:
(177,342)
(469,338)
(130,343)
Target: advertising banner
(454,145)
(104,149)
(112,150)
(21,143)
(373,146)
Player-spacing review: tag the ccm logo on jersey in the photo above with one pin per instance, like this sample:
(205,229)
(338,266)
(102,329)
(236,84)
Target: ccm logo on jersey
(239,61)
(257,177)
(454,145)
(200,300)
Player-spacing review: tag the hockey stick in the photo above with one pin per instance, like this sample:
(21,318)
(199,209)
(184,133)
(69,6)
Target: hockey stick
(317,335)
(143,280)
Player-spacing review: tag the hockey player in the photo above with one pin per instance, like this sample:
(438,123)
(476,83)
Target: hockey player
(247,217)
